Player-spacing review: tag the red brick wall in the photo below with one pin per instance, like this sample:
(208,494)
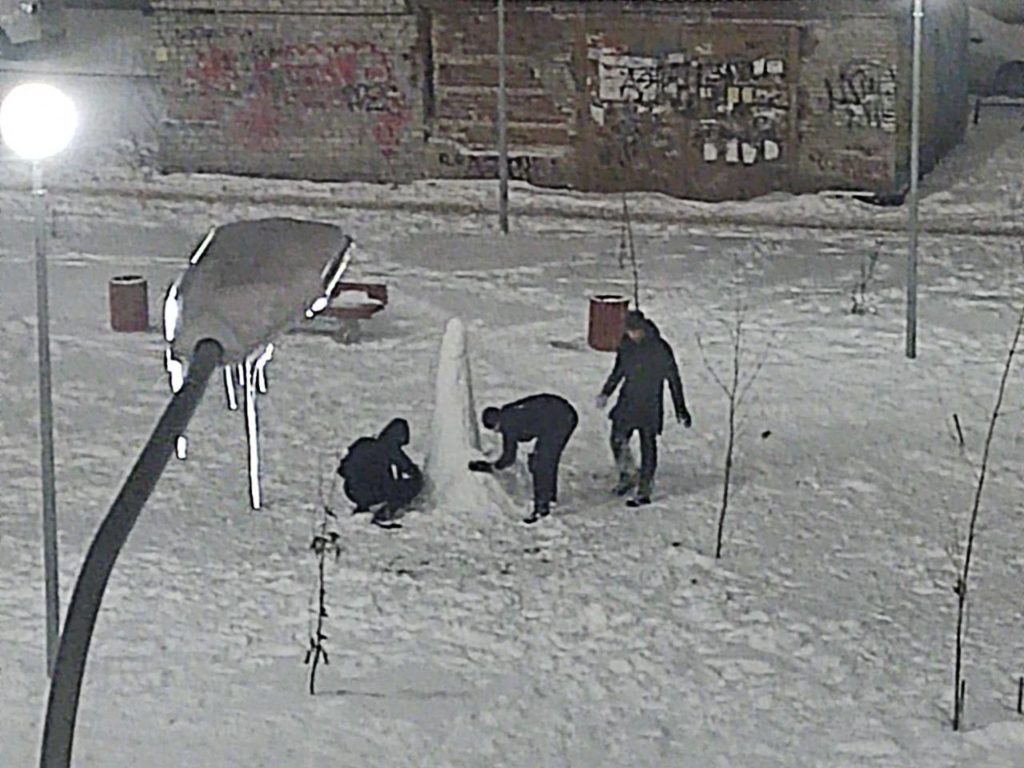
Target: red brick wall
(702,99)
(317,89)
(704,117)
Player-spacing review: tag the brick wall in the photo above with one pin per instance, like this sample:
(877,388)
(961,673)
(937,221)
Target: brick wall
(859,71)
(850,110)
(703,99)
(541,94)
(318,89)
(689,107)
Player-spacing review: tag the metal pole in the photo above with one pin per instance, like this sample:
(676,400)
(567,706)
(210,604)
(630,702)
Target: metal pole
(46,423)
(502,124)
(915,166)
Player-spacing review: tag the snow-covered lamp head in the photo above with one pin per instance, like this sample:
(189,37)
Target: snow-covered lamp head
(37,120)
(247,283)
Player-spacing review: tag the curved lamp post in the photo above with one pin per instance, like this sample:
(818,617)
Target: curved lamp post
(246,283)
(38,121)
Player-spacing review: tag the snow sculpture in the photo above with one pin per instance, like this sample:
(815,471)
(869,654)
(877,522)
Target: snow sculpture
(455,437)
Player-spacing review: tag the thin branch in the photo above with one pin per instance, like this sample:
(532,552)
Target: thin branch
(988,442)
(709,367)
(632,252)
(325,542)
(962,580)
(737,352)
(745,387)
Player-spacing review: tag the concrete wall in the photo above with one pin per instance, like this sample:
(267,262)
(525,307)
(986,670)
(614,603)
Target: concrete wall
(993,43)
(945,77)
(321,89)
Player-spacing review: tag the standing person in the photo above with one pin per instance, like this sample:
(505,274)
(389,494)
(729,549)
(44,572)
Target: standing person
(643,363)
(548,419)
(376,470)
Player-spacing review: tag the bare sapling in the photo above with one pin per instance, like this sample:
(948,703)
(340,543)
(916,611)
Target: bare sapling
(325,544)
(628,247)
(959,430)
(862,304)
(961,588)
(735,386)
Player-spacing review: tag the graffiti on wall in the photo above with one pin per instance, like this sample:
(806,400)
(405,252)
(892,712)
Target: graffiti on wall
(863,95)
(485,166)
(739,107)
(259,90)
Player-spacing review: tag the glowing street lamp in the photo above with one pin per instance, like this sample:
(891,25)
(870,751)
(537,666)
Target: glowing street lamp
(37,121)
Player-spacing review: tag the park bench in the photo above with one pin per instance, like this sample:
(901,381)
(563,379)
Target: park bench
(352,302)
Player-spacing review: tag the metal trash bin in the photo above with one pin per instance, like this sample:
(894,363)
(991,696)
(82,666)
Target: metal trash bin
(607,321)
(129,303)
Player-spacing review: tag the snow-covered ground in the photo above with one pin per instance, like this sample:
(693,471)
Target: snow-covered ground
(602,636)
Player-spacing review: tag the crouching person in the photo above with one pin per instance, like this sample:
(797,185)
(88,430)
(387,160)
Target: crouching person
(548,419)
(377,471)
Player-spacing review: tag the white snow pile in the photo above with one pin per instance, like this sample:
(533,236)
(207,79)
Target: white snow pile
(455,438)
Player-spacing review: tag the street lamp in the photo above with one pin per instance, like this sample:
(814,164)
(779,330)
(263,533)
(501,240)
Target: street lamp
(915,169)
(37,121)
(248,282)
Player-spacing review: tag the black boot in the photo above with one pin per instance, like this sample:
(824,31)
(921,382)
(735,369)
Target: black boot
(540,509)
(643,494)
(386,517)
(625,485)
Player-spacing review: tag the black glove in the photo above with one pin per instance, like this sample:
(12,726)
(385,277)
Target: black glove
(684,418)
(479,465)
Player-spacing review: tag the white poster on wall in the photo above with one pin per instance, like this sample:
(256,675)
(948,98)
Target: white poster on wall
(627,78)
(732,151)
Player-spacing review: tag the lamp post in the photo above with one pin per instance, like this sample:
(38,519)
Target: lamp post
(37,121)
(248,282)
(915,169)
(502,123)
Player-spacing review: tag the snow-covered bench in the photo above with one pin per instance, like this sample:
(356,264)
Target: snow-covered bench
(352,302)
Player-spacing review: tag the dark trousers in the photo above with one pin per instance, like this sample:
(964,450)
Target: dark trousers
(396,494)
(543,462)
(621,435)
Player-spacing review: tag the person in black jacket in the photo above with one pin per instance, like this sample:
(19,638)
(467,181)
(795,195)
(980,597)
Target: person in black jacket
(376,470)
(643,363)
(548,419)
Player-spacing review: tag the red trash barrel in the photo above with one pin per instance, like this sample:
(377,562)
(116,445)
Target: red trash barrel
(129,303)
(607,321)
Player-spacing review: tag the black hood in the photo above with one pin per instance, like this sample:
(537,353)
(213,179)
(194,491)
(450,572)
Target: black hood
(396,432)
(651,331)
